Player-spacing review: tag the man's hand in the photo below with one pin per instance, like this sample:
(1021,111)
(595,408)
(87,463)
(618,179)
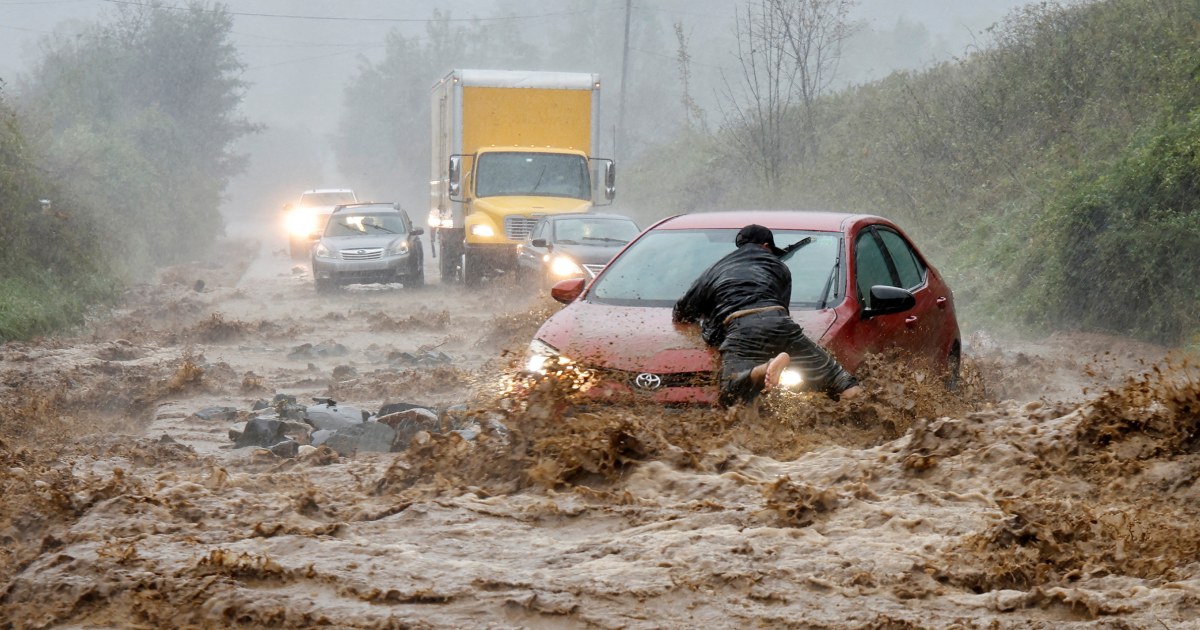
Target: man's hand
(853,392)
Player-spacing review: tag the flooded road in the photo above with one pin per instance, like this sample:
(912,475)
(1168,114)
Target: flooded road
(1057,489)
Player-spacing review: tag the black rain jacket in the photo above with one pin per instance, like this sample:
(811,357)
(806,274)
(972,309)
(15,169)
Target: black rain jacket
(748,277)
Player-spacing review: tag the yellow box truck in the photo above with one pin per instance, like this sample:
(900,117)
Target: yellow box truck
(508,148)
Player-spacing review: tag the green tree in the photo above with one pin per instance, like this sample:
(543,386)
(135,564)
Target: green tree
(139,115)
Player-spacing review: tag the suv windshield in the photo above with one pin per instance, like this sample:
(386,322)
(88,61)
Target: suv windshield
(658,268)
(533,174)
(327,198)
(594,231)
(365,224)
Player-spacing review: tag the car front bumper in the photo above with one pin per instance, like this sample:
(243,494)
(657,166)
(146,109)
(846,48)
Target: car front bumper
(385,269)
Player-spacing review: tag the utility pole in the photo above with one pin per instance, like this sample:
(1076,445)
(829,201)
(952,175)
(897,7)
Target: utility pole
(620,139)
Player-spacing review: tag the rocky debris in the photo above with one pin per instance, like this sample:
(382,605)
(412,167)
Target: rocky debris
(286,449)
(409,422)
(267,432)
(328,414)
(321,436)
(420,359)
(345,429)
(217,413)
(324,349)
(119,350)
(344,373)
(372,437)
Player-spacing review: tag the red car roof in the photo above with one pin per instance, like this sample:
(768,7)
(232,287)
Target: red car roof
(774,219)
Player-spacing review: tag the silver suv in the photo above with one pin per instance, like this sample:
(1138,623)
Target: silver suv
(368,242)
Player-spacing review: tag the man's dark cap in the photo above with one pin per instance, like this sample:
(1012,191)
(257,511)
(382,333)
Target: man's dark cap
(758,235)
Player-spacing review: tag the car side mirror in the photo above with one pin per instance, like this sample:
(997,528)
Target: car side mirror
(417,231)
(566,291)
(887,300)
(538,242)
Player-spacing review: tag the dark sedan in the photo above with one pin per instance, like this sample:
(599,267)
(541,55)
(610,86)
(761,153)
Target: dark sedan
(575,245)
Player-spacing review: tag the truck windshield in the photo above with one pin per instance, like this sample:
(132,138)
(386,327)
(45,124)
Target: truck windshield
(659,267)
(532,174)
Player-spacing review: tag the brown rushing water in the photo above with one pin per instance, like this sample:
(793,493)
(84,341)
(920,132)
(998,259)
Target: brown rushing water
(1057,489)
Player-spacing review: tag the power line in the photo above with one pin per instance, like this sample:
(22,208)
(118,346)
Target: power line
(507,18)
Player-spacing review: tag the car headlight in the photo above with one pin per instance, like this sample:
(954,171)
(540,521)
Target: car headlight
(397,248)
(301,222)
(541,355)
(321,251)
(564,267)
(484,231)
(791,379)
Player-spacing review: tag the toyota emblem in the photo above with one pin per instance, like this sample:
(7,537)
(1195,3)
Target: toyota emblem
(648,381)
(361,252)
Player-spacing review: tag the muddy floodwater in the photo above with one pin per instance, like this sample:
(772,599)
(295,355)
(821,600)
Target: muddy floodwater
(1057,488)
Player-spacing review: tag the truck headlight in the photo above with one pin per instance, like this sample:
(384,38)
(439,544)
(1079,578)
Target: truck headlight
(483,231)
(564,267)
(321,251)
(791,378)
(397,248)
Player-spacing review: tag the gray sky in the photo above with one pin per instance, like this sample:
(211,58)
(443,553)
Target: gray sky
(300,53)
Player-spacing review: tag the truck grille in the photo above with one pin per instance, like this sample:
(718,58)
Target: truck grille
(517,228)
(362,254)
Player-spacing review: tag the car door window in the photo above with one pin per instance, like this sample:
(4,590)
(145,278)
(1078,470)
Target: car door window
(871,267)
(908,266)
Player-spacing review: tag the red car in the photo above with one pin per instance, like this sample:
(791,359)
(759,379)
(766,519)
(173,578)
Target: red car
(858,287)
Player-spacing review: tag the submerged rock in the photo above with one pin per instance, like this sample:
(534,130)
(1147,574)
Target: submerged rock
(216,413)
(332,416)
(372,437)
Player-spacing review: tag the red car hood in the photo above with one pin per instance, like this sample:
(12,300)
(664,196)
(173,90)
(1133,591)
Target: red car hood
(642,339)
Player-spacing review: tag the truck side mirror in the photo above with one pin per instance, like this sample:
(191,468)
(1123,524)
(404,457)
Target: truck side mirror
(610,180)
(455,178)
(538,242)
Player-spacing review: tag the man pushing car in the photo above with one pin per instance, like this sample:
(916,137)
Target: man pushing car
(742,302)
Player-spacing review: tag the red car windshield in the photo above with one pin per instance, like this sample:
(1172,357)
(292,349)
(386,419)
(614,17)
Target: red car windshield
(659,267)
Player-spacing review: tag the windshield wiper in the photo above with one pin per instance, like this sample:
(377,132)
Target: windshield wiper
(795,247)
(605,239)
(539,180)
(382,229)
(833,273)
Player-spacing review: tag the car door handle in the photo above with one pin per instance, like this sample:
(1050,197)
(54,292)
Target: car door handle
(941,302)
(910,320)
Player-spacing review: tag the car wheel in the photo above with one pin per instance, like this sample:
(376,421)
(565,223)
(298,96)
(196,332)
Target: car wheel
(954,370)
(472,271)
(325,285)
(298,249)
(448,263)
(417,277)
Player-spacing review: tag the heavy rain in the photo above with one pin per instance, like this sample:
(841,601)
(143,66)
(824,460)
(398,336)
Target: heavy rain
(217,410)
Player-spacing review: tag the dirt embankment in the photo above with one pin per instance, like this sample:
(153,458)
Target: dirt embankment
(1055,489)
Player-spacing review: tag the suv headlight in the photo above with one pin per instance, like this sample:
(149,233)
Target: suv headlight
(321,251)
(397,248)
(564,267)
